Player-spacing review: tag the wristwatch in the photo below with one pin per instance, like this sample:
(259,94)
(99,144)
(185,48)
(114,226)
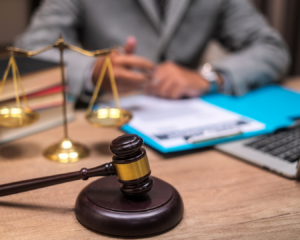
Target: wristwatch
(211,77)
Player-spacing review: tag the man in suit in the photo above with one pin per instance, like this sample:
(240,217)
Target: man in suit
(167,39)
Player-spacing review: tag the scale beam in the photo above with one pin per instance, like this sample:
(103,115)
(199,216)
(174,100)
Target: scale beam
(67,150)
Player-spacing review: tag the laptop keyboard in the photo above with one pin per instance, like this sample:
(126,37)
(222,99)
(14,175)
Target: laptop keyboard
(284,144)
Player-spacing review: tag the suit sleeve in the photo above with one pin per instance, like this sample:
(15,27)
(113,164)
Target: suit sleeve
(56,17)
(259,55)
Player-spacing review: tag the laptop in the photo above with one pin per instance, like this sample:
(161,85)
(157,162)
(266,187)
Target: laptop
(278,152)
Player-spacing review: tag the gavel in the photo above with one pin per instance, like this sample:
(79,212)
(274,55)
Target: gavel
(130,165)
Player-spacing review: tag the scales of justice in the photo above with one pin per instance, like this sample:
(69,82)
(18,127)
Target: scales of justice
(21,115)
(132,204)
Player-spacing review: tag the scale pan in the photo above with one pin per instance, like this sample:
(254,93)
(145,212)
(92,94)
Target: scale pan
(109,117)
(14,117)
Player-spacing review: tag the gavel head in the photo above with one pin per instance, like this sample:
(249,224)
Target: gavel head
(131,164)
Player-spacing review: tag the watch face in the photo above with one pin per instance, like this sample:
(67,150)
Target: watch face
(206,68)
(211,76)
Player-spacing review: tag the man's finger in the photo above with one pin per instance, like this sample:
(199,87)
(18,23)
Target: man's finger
(176,92)
(122,88)
(131,77)
(159,73)
(134,61)
(164,88)
(130,45)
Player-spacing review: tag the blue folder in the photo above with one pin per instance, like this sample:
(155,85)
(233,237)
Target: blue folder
(273,105)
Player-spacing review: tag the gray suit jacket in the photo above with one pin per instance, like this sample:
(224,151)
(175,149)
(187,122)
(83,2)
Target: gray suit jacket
(258,56)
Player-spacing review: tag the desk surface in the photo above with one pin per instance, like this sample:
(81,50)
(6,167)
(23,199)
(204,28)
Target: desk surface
(224,198)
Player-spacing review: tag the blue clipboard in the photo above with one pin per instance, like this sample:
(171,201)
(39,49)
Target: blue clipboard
(273,105)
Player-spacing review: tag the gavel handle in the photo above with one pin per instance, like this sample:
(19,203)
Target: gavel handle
(106,169)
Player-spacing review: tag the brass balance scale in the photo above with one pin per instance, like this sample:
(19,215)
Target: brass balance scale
(21,115)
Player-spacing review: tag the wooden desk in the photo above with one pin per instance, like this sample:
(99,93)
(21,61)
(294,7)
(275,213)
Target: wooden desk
(224,198)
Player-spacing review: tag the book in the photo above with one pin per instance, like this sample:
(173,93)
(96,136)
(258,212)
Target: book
(36,75)
(39,103)
(51,90)
(48,118)
(51,97)
(42,85)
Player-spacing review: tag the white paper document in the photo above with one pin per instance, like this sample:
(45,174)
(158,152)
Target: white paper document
(173,123)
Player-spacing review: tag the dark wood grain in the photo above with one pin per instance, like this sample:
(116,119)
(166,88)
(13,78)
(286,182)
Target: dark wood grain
(105,210)
(127,149)
(106,169)
(126,145)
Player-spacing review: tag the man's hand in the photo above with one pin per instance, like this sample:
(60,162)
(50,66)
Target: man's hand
(173,81)
(130,71)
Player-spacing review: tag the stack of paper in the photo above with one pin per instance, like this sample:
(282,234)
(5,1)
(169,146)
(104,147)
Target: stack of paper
(174,123)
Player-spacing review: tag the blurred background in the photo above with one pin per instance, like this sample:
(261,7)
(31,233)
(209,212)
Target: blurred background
(281,14)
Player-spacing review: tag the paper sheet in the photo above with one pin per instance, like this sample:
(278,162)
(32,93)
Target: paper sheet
(174,123)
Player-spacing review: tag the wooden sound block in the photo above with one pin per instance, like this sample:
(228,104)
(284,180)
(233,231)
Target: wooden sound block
(102,207)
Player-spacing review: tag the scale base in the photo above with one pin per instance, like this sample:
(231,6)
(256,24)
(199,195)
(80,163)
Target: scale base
(102,207)
(66,151)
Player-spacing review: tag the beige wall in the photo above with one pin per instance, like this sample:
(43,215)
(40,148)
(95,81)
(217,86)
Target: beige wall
(13,19)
